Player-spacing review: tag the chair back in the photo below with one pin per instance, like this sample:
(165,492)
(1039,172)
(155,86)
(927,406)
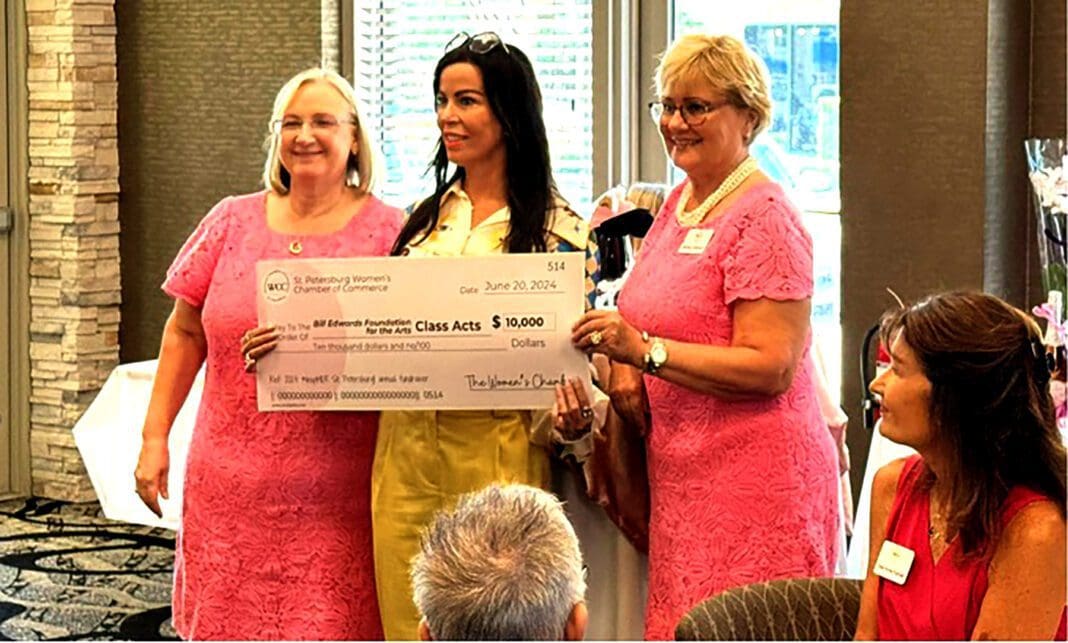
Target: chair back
(812,609)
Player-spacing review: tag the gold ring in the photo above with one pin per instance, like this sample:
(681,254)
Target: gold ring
(596,337)
(586,412)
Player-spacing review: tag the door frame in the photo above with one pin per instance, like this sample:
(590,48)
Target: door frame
(17,480)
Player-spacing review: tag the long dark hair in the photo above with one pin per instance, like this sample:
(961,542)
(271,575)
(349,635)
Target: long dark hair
(991,408)
(515,98)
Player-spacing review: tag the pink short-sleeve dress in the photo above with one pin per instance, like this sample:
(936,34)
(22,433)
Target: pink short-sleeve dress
(741,491)
(275,540)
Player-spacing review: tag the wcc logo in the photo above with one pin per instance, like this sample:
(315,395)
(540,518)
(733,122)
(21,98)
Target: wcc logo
(276,286)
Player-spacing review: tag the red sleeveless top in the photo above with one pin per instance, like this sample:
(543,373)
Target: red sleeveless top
(939,600)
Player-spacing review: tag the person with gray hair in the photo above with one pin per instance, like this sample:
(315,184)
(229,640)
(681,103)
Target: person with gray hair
(504,564)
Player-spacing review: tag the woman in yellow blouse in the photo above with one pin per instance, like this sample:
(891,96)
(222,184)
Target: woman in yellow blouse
(501,198)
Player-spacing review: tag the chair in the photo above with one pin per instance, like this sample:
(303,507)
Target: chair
(813,609)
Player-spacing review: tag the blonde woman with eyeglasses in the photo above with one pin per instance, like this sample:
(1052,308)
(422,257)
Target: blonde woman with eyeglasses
(743,473)
(275,540)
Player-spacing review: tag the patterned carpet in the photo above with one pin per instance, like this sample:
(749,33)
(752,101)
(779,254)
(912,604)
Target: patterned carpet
(67,573)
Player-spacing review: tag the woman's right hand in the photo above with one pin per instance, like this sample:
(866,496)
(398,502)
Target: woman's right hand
(153,466)
(257,342)
(625,390)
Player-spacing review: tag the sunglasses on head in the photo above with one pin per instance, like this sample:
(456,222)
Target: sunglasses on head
(482,43)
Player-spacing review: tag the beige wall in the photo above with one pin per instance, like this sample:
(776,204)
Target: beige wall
(1048,68)
(936,101)
(196,83)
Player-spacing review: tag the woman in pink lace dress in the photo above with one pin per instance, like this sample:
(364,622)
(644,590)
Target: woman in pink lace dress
(742,469)
(275,541)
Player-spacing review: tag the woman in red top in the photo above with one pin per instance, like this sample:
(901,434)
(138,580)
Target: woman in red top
(968,538)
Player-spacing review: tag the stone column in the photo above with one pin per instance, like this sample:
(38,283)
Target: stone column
(74,229)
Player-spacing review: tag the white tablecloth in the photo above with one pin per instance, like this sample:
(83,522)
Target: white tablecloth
(108,436)
(881,452)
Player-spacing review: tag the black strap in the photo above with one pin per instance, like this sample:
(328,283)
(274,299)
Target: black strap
(869,403)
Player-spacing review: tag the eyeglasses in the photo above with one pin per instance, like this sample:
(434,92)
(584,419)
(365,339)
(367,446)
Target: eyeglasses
(693,111)
(482,43)
(318,124)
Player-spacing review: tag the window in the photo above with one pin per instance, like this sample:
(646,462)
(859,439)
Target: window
(397,44)
(799,43)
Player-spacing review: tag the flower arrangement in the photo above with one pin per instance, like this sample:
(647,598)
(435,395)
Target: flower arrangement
(1055,339)
(1048,172)
(1051,188)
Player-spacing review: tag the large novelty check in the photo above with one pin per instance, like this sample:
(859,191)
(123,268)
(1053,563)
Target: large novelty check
(411,332)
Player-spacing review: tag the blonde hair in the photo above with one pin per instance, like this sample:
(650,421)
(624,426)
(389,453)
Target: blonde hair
(361,166)
(724,63)
(647,195)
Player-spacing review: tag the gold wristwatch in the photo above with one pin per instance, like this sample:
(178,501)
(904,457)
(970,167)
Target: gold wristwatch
(657,354)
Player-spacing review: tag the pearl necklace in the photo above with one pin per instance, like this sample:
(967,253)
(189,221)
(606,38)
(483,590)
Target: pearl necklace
(729,184)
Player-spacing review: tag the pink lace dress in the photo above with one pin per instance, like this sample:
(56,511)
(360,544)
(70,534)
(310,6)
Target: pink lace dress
(746,491)
(275,541)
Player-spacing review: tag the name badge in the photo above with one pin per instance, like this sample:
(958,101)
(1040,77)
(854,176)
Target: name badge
(894,562)
(696,241)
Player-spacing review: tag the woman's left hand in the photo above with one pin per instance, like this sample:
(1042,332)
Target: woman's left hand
(572,412)
(257,342)
(606,332)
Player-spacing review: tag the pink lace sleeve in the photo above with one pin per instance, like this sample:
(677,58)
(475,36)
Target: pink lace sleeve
(771,257)
(190,273)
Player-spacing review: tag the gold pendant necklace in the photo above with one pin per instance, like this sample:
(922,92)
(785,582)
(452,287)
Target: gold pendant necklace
(729,184)
(295,247)
(936,529)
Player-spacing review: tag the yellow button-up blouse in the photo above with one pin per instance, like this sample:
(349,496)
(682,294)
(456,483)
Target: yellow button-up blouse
(425,459)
